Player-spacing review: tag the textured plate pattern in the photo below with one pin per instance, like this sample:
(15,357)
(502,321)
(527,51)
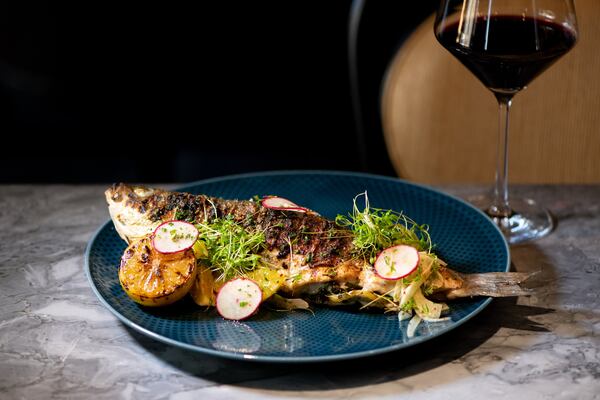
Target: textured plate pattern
(464,237)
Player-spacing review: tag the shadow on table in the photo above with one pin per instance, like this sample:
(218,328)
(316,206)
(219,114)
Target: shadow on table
(501,313)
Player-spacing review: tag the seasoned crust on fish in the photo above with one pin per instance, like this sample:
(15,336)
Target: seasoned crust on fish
(138,211)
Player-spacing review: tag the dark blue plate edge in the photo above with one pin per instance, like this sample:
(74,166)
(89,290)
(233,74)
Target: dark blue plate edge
(309,359)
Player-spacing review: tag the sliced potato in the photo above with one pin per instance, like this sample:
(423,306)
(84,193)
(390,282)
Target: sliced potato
(154,279)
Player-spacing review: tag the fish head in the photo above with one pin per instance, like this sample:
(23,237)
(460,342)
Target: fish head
(130,208)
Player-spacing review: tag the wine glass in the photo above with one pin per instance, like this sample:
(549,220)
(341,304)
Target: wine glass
(506,44)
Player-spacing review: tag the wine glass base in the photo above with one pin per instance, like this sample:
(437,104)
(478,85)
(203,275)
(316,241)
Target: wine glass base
(528,220)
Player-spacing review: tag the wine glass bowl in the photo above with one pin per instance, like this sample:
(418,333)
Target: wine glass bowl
(506,45)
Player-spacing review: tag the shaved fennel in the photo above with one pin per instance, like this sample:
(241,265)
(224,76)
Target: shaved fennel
(410,297)
(412,326)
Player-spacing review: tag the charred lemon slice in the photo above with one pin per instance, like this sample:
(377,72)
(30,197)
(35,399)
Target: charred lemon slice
(151,278)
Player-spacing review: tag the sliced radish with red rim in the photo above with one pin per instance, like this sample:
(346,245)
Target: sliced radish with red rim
(396,262)
(279,203)
(174,236)
(239,298)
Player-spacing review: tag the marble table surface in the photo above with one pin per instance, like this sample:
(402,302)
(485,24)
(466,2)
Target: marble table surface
(58,342)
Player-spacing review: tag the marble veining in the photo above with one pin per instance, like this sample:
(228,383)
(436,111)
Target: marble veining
(58,342)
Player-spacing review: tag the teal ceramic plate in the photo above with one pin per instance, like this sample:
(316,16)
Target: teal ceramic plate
(464,237)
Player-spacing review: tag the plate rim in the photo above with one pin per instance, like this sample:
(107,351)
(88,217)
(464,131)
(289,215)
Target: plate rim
(292,359)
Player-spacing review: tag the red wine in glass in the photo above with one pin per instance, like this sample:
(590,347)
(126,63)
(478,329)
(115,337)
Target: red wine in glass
(507,51)
(506,44)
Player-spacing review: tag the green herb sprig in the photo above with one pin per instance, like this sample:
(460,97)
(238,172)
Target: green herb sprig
(375,229)
(232,250)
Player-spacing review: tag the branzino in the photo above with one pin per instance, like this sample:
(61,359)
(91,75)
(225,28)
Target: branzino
(315,252)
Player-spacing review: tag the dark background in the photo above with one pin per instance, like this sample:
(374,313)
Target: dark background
(103,92)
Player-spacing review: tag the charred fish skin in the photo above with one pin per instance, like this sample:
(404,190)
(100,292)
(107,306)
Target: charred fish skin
(136,211)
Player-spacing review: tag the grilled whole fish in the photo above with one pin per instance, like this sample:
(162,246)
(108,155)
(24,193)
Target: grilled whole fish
(321,255)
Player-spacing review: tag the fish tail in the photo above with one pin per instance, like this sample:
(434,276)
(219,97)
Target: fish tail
(494,284)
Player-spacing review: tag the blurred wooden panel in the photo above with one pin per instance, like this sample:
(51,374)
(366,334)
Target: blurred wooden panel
(440,122)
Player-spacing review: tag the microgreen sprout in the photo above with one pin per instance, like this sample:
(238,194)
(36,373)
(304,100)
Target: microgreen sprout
(232,251)
(375,229)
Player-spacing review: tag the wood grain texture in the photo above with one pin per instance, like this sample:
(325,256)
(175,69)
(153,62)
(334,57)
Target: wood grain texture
(440,122)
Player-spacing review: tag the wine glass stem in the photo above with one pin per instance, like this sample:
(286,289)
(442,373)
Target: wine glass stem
(500,207)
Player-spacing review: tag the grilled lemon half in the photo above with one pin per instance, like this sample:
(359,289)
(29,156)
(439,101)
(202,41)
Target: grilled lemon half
(151,278)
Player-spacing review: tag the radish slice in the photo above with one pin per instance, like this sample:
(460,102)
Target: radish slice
(239,298)
(279,203)
(396,262)
(174,236)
